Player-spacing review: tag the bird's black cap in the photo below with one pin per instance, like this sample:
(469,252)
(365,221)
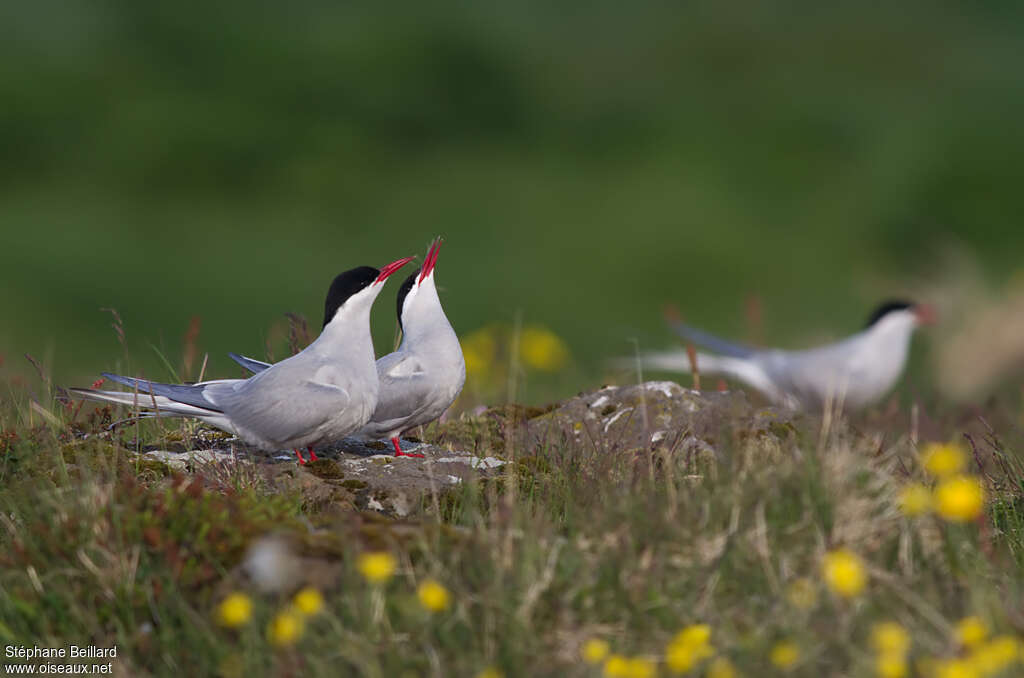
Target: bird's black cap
(403,292)
(344,286)
(887,308)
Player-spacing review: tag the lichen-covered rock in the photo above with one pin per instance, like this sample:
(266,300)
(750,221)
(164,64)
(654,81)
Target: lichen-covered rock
(351,475)
(654,414)
(356,475)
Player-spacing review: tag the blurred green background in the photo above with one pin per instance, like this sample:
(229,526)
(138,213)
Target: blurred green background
(586,163)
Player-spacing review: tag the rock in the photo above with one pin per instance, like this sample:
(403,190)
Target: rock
(654,414)
(356,475)
(187,461)
(351,475)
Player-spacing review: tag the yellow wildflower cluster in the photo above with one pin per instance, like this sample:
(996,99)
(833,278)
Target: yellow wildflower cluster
(943,460)
(891,643)
(542,349)
(487,350)
(286,627)
(594,651)
(971,632)
(234,611)
(957,497)
(785,655)
(434,597)
(980,656)
(377,567)
(689,648)
(996,655)
(308,601)
(479,350)
(844,572)
(619,666)
(685,652)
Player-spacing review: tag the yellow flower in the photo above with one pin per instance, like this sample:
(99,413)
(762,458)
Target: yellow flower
(616,666)
(594,651)
(689,647)
(915,499)
(433,596)
(785,655)
(308,601)
(890,638)
(955,668)
(640,667)
(680,658)
(943,460)
(721,668)
(694,635)
(478,350)
(844,573)
(490,672)
(960,498)
(285,628)
(971,632)
(802,594)
(541,349)
(377,566)
(234,611)
(995,656)
(891,665)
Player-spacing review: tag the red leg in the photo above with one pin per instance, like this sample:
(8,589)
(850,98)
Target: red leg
(398,450)
(312,454)
(299,455)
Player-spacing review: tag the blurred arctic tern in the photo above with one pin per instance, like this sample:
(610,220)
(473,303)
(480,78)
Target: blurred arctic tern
(853,372)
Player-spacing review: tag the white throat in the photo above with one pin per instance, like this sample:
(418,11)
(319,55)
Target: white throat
(422,315)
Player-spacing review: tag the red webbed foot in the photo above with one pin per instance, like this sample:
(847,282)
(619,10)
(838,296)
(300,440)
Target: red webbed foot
(399,453)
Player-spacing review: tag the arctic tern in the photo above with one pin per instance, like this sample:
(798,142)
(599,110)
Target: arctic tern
(319,395)
(853,372)
(421,379)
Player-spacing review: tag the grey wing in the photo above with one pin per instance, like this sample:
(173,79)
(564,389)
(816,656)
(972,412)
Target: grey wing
(710,341)
(404,387)
(254,366)
(280,409)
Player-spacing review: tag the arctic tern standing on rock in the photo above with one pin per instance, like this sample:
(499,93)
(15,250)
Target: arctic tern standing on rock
(319,395)
(420,380)
(854,372)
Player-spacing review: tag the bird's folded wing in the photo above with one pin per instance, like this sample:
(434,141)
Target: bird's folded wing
(404,387)
(281,414)
(399,366)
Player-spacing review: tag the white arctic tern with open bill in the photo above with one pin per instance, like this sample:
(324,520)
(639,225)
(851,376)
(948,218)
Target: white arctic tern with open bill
(319,395)
(421,379)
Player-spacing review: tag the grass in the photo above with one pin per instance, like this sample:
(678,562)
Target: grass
(577,543)
(203,172)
